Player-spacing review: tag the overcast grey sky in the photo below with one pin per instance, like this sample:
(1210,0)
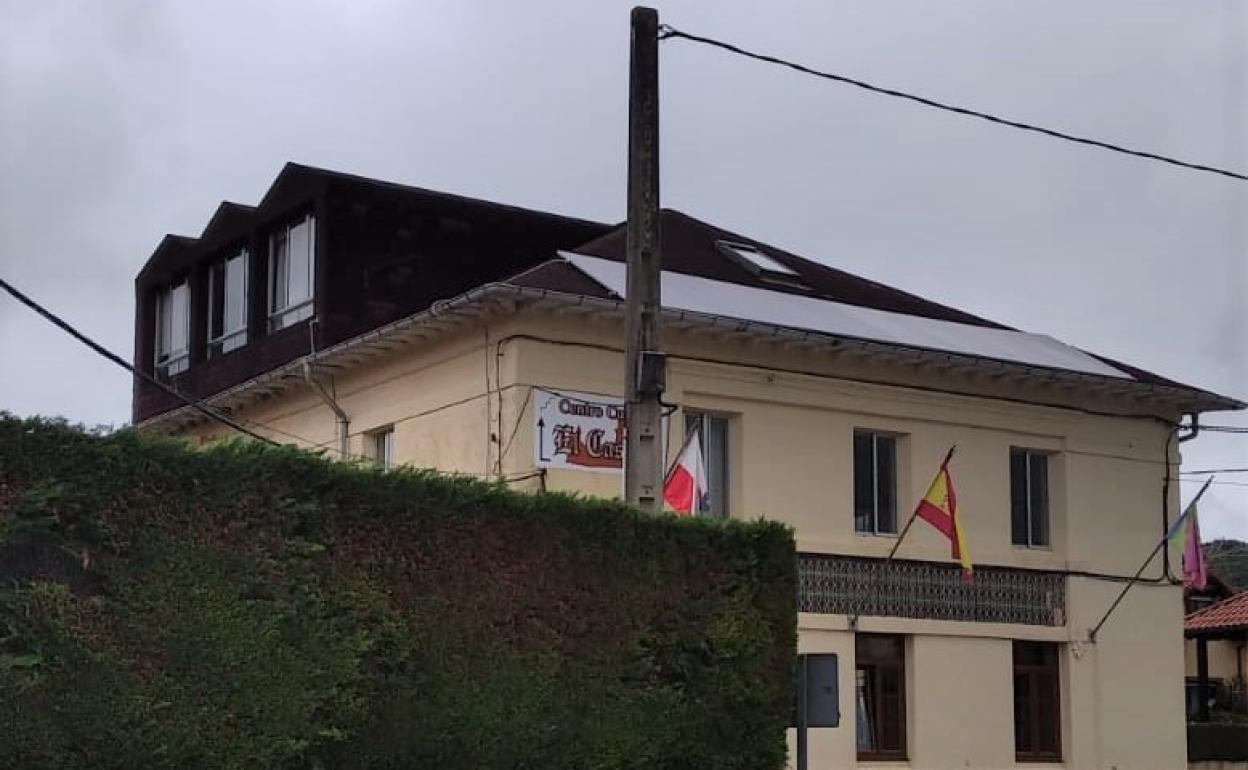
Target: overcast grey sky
(124,120)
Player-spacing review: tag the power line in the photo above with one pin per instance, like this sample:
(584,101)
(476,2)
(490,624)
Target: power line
(666,33)
(1214,470)
(1215,483)
(116,359)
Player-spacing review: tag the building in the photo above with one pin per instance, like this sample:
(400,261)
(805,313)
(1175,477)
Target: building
(1216,629)
(408,326)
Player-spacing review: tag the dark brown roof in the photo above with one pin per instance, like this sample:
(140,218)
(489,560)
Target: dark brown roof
(688,246)
(297,181)
(558,275)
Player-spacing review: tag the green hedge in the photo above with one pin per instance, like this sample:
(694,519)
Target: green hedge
(243,606)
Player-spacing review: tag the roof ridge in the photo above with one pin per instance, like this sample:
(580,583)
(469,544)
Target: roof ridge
(411,188)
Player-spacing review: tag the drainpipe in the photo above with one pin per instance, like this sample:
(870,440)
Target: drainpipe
(343,423)
(1165,488)
(1195,426)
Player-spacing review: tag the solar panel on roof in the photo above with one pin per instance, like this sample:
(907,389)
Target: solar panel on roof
(720,298)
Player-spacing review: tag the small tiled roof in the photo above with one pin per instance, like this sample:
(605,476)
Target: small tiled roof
(1227,615)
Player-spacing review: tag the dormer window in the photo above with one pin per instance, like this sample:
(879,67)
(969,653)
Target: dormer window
(291,250)
(173,329)
(227,304)
(760,264)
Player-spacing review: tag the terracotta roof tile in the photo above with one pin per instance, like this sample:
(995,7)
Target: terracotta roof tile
(1226,615)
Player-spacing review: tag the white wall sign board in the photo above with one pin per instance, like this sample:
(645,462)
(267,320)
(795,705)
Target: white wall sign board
(579,431)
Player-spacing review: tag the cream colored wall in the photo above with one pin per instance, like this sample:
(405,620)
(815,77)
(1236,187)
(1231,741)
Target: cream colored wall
(943,706)
(791,441)
(1126,691)
(793,415)
(435,397)
(793,433)
(1224,658)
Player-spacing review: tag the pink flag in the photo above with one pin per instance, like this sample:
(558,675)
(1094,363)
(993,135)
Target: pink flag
(1185,534)
(1195,573)
(686,481)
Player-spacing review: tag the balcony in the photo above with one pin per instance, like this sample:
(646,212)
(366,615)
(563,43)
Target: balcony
(848,585)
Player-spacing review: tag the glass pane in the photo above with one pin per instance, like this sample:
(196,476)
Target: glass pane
(1022,714)
(234,304)
(759,259)
(864,484)
(1039,498)
(179,319)
(890,708)
(865,708)
(1018,497)
(300,269)
(384,449)
(886,484)
(716,450)
(1046,713)
(878,647)
(1035,654)
(279,268)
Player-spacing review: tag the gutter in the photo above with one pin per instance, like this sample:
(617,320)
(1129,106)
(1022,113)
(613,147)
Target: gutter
(471,305)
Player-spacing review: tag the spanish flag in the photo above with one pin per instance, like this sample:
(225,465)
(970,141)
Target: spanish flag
(939,507)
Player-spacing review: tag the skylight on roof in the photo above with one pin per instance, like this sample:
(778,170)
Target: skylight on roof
(754,260)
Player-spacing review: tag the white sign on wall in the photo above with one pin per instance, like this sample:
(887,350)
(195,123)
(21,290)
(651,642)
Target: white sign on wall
(579,431)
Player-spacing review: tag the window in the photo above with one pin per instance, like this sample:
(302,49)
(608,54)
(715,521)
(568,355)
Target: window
(1029,498)
(382,447)
(754,259)
(1037,705)
(880,673)
(173,319)
(714,440)
(875,483)
(291,251)
(227,304)
(760,264)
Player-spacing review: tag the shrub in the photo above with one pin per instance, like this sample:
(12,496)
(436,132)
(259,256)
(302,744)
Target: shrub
(245,606)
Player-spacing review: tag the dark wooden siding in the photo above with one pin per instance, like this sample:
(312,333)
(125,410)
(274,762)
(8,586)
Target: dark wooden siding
(382,251)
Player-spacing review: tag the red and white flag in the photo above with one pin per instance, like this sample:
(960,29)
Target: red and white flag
(686,481)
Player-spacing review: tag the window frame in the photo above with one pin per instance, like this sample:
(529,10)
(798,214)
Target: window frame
(1035,674)
(1027,537)
(761,264)
(381,446)
(876,716)
(717,506)
(229,339)
(756,260)
(289,314)
(894,440)
(167,362)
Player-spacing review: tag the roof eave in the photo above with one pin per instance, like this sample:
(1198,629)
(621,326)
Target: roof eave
(446,315)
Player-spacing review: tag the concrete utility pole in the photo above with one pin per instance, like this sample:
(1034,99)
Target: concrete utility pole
(645,366)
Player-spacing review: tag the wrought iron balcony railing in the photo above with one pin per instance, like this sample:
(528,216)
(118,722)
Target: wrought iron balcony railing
(849,585)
